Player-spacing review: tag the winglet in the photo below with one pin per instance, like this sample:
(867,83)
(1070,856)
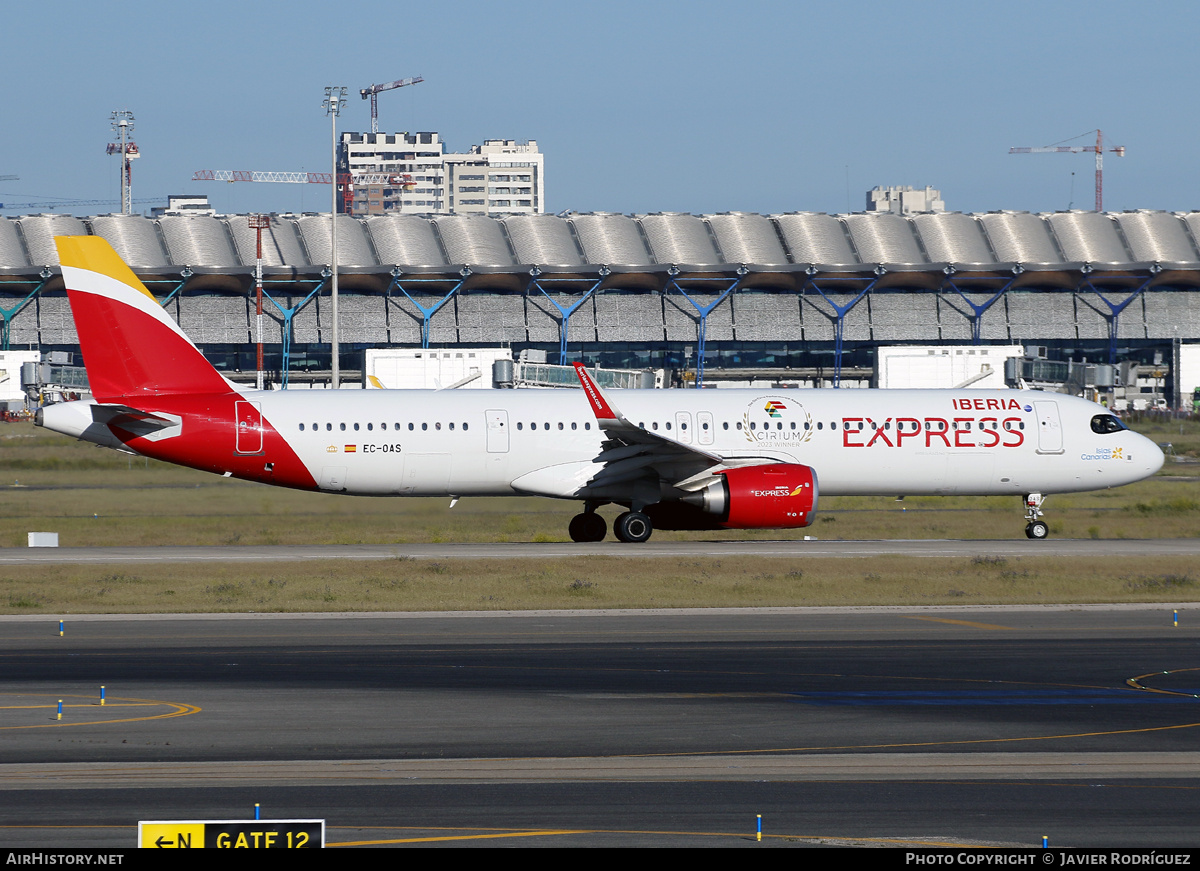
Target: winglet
(599,402)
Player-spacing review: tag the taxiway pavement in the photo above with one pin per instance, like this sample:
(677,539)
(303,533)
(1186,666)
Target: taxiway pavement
(897,726)
(667,549)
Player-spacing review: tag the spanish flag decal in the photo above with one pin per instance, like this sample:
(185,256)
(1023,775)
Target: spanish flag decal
(351,449)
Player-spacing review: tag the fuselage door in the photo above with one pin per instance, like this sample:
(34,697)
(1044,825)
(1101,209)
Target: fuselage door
(249,439)
(683,426)
(497,430)
(1050,438)
(704,427)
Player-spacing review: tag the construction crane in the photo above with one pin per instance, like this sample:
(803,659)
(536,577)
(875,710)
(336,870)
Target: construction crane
(39,204)
(1099,150)
(374,91)
(344,179)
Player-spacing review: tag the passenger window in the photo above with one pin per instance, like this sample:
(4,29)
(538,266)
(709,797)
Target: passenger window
(424,427)
(370,426)
(411,427)
(356,427)
(329,427)
(342,427)
(464,426)
(301,427)
(520,425)
(451,424)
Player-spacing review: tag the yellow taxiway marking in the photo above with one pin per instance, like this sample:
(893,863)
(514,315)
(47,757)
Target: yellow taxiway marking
(430,839)
(963,742)
(961,623)
(1136,683)
(739,835)
(176,709)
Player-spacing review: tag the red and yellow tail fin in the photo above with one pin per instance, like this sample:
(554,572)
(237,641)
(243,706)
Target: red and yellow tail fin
(131,347)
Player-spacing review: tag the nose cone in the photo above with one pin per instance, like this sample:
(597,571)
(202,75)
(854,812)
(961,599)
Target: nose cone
(1147,456)
(1154,456)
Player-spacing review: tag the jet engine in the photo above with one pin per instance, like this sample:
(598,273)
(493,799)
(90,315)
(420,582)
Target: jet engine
(776,496)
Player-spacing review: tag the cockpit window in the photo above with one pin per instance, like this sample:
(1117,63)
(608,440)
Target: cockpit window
(1103,424)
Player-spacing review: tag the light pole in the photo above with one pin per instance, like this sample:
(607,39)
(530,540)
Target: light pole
(258,223)
(122,125)
(335,99)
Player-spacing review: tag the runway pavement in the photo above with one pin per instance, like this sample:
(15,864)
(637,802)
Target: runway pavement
(667,549)
(897,726)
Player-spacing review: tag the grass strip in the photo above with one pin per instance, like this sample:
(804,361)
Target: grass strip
(405,584)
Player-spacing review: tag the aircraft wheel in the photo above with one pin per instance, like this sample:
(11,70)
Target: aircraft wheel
(1037,530)
(633,527)
(588,526)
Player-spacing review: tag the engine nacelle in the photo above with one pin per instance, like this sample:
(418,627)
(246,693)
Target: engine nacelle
(777,496)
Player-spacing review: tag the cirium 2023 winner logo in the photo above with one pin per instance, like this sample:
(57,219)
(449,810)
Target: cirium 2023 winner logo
(776,420)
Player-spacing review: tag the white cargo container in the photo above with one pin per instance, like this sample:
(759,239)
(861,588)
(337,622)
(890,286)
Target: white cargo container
(1189,372)
(431,368)
(11,393)
(939,367)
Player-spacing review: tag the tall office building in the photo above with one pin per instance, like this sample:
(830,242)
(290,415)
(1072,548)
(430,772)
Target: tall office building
(499,177)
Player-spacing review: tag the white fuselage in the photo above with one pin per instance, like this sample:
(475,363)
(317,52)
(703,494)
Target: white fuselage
(859,442)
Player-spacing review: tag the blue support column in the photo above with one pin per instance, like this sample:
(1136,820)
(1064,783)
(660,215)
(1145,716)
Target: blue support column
(1115,308)
(288,314)
(704,311)
(564,313)
(428,312)
(840,312)
(185,275)
(7,314)
(977,310)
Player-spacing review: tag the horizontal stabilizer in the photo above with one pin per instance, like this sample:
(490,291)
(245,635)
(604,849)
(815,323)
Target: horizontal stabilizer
(142,424)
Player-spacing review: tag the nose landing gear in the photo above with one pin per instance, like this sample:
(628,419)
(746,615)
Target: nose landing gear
(1035,528)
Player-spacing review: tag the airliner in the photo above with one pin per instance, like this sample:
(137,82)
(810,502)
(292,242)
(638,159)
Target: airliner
(673,459)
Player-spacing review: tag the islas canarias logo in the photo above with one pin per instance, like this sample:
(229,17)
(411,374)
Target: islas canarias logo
(776,420)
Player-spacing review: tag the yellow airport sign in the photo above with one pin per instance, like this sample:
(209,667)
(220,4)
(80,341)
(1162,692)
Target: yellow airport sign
(231,834)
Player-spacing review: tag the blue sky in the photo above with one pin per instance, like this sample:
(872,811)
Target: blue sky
(639,106)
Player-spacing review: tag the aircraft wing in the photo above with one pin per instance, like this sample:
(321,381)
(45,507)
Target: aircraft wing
(631,452)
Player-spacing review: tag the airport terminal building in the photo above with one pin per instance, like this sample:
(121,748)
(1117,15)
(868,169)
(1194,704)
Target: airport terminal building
(802,297)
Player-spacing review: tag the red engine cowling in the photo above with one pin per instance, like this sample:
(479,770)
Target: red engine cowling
(777,496)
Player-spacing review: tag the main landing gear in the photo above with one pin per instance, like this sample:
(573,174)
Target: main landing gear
(631,527)
(1035,528)
(588,526)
